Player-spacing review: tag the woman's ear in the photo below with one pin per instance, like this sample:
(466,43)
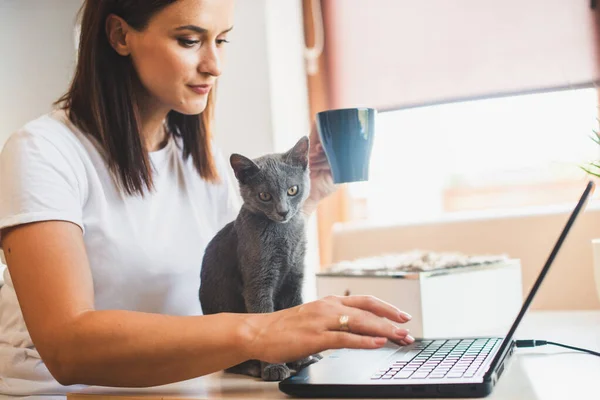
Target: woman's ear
(116,32)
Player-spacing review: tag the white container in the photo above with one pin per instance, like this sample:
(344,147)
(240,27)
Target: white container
(458,302)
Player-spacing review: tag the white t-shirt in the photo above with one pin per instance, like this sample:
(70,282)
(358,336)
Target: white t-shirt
(145,253)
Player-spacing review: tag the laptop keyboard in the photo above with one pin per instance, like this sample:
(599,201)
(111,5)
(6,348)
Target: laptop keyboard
(436,359)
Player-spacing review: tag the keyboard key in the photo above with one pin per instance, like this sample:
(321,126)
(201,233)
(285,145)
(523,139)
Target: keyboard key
(419,375)
(407,356)
(435,375)
(454,375)
(457,370)
(403,375)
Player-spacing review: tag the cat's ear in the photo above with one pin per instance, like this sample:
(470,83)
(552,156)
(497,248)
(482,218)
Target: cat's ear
(298,155)
(243,167)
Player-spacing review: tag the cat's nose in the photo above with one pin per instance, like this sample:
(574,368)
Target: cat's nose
(283,214)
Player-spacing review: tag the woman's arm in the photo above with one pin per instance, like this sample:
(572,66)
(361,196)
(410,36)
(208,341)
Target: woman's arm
(50,272)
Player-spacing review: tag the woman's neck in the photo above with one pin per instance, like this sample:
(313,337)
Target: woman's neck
(154,136)
(153,115)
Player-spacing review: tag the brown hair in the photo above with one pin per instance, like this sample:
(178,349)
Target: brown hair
(101,100)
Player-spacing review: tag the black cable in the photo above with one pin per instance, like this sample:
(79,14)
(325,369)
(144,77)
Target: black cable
(536,343)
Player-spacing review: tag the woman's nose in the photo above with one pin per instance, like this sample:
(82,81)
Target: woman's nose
(210,62)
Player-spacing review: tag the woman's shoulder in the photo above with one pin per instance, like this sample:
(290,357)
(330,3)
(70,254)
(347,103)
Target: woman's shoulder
(50,129)
(49,133)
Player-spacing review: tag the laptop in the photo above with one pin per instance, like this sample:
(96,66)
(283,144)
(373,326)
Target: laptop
(457,367)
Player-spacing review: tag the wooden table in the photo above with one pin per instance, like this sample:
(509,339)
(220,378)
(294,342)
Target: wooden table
(542,373)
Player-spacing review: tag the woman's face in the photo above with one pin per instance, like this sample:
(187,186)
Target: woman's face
(179,55)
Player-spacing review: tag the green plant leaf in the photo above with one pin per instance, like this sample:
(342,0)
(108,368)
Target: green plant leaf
(596,174)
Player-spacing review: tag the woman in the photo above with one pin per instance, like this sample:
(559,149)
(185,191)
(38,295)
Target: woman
(106,207)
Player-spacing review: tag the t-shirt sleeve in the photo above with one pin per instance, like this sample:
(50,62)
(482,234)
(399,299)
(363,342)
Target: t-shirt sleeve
(38,181)
(230,200)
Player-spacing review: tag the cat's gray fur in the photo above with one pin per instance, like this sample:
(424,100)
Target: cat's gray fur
(255,264)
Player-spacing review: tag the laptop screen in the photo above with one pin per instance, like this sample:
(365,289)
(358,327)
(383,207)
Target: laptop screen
(507,340)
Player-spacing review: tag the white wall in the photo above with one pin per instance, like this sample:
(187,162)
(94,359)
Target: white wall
(243,113)
(262,101)
(36,58)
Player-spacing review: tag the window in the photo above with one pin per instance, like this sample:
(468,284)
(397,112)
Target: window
(481,155)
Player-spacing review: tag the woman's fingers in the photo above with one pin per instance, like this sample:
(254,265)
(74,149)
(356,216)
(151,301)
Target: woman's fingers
(368,316)
(365,323)
(317,151)
(319,165)
(317,157)
(345,340)
(377,307)
(406,341)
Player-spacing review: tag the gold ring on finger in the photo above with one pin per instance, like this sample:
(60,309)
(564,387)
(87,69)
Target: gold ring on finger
(344,323)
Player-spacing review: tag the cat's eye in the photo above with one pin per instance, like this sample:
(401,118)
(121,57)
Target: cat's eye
(292,191)
(264,196)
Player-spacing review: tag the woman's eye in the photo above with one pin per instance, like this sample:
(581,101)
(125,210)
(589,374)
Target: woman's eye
(188,42)
(221,41)
(264,196)
(293,191)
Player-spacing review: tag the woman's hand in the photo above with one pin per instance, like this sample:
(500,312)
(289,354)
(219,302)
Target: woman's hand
(321,181)
(298,332)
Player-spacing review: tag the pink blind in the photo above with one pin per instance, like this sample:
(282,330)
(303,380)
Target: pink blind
(398,53)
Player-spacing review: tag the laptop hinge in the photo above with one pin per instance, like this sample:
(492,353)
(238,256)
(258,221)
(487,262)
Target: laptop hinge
(494,367)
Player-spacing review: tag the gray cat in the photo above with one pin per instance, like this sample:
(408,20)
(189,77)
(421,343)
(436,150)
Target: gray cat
(255,264)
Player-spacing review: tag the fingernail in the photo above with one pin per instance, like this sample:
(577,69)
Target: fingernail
(400,332)
(409,339)
(379,341)
(405,315)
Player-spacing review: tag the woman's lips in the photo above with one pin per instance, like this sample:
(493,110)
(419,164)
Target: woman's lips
(200,89)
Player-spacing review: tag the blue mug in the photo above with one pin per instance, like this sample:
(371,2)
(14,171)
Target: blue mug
(347,138)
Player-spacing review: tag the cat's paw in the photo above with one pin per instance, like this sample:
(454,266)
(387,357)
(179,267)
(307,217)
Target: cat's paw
(275,372)
(305,362)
